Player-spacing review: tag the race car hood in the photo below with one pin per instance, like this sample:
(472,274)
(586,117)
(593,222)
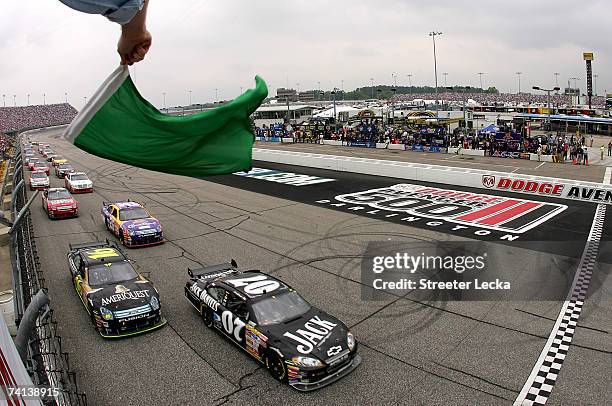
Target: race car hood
(61,202)
(122,296)
(135,226)
(315,334)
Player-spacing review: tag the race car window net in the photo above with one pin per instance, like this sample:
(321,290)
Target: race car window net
(136,213)
(279,308)
(110,273)
(59,194)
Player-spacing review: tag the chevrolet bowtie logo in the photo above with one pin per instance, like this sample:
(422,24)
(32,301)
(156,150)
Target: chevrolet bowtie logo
(334,351)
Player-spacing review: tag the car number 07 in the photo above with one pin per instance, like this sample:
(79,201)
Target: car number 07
(255,285)
(232,325)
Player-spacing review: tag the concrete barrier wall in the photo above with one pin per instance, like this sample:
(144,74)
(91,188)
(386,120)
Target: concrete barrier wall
(463,151)
(475,178)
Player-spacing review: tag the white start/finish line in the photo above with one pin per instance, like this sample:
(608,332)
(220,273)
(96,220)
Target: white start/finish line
(568,189)
(541,381)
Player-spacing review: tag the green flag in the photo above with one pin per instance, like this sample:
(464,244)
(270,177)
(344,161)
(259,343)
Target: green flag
(119,124)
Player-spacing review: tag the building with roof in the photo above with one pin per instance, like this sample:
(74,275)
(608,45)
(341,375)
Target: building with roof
(567,124)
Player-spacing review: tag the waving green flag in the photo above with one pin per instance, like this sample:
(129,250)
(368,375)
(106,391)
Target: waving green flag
(119,124)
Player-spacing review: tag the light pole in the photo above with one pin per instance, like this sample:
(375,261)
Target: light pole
(445,74)
(14,100)
(480,74)
(28,99)
(164,96)
(409,80)
(433,35)
(3,100)
(44,99)
(335,115)
(372,86)
(342,88)
(66,97)
(394,77)
(556,78)
(548,91)
(518,74)
(84,99)
(190,97)
(576,88)
(216,95)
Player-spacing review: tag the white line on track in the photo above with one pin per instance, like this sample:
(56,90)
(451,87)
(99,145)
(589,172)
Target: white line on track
(538,167)
(539,385)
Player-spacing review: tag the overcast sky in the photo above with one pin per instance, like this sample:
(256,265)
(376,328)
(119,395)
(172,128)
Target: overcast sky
(46,47)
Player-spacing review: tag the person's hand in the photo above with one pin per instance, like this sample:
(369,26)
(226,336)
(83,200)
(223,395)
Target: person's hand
(133,46)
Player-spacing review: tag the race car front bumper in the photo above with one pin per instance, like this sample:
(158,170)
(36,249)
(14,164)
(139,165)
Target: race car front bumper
(307,384)
(83,190)
(54,214)
(118,328)
(144,240)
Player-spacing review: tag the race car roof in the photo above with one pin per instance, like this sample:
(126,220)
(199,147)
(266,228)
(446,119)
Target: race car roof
(101,255)
(127,205)
(254,283)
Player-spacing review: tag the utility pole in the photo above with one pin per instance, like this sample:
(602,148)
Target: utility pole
(433,35)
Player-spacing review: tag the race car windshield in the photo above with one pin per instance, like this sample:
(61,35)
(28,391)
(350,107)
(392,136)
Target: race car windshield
(64,166)
(78,177)
(59,194)
(133,214)
(39,176)
(279,308)
(105,274)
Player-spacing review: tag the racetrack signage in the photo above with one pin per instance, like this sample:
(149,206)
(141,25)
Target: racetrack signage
(462,210)
(552,189)
(288,178)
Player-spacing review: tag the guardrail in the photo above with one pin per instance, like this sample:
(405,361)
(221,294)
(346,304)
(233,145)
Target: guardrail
(44,358)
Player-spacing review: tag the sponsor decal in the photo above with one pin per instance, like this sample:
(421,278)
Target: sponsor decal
(288,178)
(204,297)
(255,285)
(575,192)
(488,181)
(435,206)
(100,253)
(217,274)
(335,350)
(121,289)
(127,295)
(315,331)
(253,340)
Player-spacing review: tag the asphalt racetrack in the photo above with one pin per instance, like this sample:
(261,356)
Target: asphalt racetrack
(415,351)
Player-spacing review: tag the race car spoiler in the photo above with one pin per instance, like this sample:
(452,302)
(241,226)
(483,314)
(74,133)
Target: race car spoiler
(92,244)
(213,270)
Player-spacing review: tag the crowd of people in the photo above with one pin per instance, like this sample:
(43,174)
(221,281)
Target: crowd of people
(498,99)
(25,117)
(502,142)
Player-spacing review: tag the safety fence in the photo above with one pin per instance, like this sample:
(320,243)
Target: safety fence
(46,361)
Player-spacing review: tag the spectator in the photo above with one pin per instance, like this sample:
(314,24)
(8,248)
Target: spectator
(25,117)
(610,148)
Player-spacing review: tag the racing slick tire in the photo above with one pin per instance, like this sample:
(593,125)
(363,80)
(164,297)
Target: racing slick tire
(207,317)
(276,367)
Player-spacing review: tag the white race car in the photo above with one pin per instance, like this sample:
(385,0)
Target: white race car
(78,182)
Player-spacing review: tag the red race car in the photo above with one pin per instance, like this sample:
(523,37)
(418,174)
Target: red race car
(58,203)
(40,166)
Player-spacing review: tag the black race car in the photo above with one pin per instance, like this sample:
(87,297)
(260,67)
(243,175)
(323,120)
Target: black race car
(120,301)
(298,343)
